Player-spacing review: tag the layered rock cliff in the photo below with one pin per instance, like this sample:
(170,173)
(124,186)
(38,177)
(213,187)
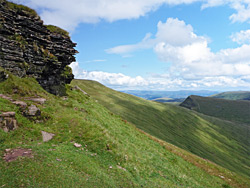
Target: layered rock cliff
(30,48)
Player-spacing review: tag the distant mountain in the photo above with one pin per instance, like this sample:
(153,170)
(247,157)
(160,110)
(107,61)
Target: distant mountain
(151,95)
(233,95)
(232,110)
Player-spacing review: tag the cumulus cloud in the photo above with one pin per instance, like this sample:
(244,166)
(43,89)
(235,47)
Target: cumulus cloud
(69,13)
(159,81)
(174,32)
(192,59)
(242,37)
(109,79)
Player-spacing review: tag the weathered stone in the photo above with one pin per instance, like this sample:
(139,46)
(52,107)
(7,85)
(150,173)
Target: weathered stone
(78,88)
(77,145)
(47,136)
(21,104)
(6,97)
(27,47)
(8,121)
(38,100)
(8,114)
(33,111)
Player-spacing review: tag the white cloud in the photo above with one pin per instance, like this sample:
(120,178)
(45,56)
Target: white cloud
(69,13)
(195,59)
(243,11)
(242,8)
(124,50)
(109,79)
(159,82)
(192,60)
(174,32)
(242,37)
(96,60)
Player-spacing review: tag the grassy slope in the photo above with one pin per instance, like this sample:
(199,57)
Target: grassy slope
(57,163)
(222,142)
(233,95)
(232,110)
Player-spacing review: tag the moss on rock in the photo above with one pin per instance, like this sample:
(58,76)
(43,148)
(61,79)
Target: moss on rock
(58,30)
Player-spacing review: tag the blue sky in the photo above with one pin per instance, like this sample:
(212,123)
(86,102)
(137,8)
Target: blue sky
(156,44)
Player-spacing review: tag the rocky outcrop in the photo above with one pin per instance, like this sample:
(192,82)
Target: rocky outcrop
(29,48)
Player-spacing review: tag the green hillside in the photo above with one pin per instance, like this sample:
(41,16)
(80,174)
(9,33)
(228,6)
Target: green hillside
(232,110)
(114,153)
(233,95)
(224,143)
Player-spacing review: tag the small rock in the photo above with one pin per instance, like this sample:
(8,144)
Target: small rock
(222,176)
(47,136)
(78,88)
(33,111)
(38,100)
(8,121)
(6,97)
(121,168)
(77,145)
(110,167)
(8,114)
(22,104)
(64,98)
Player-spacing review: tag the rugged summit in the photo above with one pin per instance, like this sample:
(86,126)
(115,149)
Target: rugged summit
(30,48)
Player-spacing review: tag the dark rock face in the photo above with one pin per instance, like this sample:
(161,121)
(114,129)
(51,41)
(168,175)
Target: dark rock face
(189,103)
(3,75)
(29,48)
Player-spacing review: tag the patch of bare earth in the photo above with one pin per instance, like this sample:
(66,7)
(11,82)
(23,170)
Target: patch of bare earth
(13,154)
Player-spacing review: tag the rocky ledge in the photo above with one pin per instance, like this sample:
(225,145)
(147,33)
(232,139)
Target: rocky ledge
(30,48)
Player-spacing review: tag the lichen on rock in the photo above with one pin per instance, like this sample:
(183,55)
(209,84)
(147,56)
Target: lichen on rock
(30,48)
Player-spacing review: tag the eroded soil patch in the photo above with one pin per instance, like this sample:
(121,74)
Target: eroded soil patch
(13,154)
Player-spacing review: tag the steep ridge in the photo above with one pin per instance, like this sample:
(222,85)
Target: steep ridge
(225,143)
(29,48)
(232,110)
(92,147)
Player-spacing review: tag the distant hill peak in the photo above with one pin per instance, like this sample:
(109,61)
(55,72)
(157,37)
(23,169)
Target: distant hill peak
(233,95)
